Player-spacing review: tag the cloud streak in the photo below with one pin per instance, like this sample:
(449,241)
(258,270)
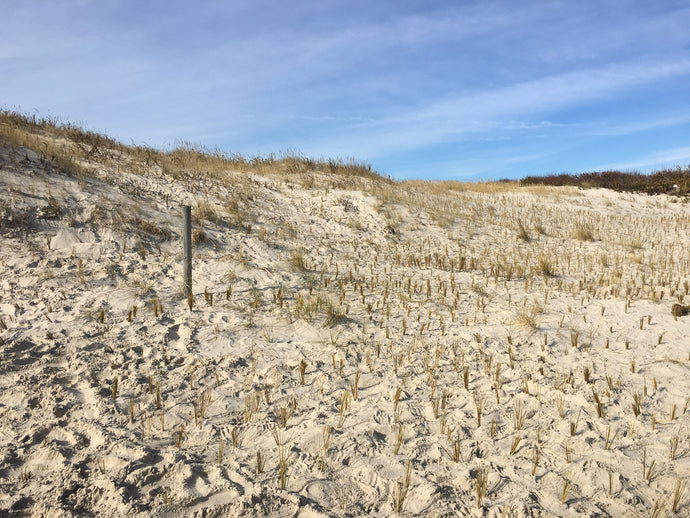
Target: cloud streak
(374,81)
(495,111)
(679,156)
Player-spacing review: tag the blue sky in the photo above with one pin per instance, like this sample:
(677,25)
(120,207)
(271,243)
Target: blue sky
(428,89)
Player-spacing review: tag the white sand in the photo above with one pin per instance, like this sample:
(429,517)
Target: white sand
(68,447)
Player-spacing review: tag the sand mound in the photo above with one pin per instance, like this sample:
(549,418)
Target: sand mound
(353,349)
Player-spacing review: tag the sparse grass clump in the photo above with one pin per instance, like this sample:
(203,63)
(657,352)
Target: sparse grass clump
(481,480)
(528,316)
(335,315)
(583,232)
(297,259)
(567,484)
(401,489)
(546,266)
(678,491)
(522,232)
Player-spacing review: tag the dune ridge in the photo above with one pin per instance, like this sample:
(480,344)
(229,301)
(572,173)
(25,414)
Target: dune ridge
(355,346)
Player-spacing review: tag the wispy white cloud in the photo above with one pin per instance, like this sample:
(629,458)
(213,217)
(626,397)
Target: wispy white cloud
(657,160)
(554,92)
(495,110)
(622,128)
(590,32)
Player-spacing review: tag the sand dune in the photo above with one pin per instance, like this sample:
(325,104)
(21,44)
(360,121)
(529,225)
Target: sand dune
(356,347)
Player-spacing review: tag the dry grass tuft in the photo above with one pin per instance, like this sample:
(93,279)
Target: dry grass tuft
(528,316)
(583,232)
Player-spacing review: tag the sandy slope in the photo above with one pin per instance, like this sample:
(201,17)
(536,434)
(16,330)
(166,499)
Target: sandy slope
(375,290)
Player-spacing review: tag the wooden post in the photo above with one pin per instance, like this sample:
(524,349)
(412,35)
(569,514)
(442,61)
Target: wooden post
(187,245)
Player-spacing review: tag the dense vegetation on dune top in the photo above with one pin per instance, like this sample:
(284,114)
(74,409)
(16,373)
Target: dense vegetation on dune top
(70,147)
(667,181)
